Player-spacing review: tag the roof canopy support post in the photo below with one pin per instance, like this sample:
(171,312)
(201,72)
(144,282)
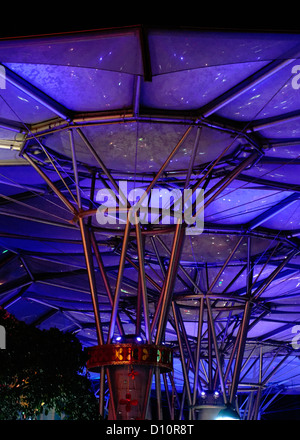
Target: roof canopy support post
(166,296)
(243,328)
(118,283)
(158,394)
(91,276)
(198,347)
(182,356)
(105,278)
(86,241)
(75,169)
(217,353)
(142,279)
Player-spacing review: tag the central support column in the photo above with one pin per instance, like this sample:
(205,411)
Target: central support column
(129,364)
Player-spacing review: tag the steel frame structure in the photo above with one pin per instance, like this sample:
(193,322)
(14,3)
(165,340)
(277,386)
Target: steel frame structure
(216,357)
(220,354)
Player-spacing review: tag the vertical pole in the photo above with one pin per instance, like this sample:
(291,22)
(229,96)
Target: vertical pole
(196,374)
(162,268)
(184,367)
(164,375)
(158,394)
(190,354)
(92,283)
(215,341)
(105,279)
(240,350)
(147,393)
(74,161)
(101,391)
(91,276)
(243,328)
(257,403)
(174,396)
(118,283)
(87,237)
(250,405)
(138,313)
(169,280)
(89,263)
(258,394)
(143,280)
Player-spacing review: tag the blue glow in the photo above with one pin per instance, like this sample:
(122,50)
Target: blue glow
(95,89)
(191,89)
(134,125)
(271,97)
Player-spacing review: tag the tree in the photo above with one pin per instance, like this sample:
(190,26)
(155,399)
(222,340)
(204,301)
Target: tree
(41,370)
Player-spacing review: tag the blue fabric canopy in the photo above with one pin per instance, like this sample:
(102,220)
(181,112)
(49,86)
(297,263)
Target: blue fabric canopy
(133,99)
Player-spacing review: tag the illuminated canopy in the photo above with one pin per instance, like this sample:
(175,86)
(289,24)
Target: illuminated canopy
(125,99)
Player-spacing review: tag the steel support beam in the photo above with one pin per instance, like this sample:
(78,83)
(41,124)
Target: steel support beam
(260,290)
(198,348)
(142,278)
(271,212)
(164,165)
(35,93)
(166,294)
(51,184)
(217,353)
(75,169)
(122,197)
(118,283)
(243,328)
(105,279)
(182,355)
(228,259)
(223,183)
(91,276)
(245,85)
(272,122)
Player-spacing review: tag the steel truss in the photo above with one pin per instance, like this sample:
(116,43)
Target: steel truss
(220,354)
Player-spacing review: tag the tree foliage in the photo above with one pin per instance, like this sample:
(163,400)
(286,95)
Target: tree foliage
(41,370)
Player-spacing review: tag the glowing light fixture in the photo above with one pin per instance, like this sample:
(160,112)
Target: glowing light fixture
(228,413)
(132,338)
